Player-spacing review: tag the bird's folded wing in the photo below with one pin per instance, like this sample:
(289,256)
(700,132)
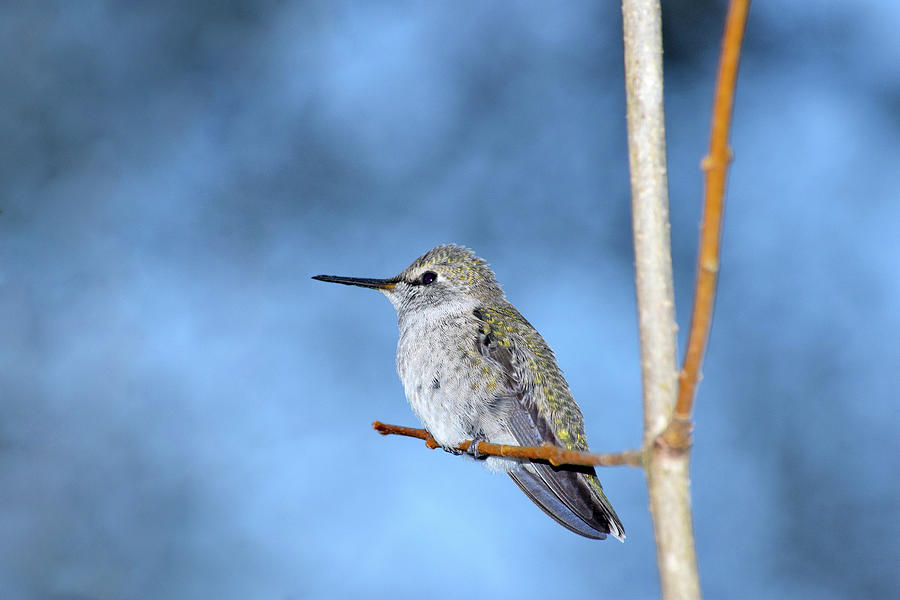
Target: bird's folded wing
(565,493)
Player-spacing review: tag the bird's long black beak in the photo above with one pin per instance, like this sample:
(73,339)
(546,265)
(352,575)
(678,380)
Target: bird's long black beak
(378,284)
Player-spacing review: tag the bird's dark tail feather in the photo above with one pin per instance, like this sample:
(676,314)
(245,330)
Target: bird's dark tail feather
(571,496)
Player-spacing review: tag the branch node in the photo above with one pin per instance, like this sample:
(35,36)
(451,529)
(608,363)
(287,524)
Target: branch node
(710,162)
(676,437)
(710,265)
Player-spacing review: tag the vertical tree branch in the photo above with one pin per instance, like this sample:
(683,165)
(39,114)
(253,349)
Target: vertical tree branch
(650,210)
(666,467)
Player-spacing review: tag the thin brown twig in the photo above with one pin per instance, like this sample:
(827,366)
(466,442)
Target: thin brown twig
(715,164)
(554,455)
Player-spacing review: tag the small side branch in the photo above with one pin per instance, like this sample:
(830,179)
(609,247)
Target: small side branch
(715,164)
(554,455)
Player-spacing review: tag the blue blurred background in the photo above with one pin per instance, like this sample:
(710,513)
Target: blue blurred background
(185,414)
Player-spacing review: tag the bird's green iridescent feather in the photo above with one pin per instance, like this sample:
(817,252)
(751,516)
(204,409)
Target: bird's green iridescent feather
(550,393)
(534,369)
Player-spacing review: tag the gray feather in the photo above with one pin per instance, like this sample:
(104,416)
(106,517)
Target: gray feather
(570,494)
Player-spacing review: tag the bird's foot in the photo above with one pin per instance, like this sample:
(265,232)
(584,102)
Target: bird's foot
(453,450)
(472,450)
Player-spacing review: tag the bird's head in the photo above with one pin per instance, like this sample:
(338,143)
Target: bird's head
(448,279)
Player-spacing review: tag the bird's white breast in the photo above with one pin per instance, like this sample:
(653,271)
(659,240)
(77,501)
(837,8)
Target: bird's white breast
(434,360)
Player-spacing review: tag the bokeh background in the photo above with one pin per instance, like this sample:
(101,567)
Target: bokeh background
(185,414)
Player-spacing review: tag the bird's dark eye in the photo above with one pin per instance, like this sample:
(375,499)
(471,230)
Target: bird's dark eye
(428,277)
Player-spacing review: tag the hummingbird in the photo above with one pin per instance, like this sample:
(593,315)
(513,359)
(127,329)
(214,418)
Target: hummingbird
(473,368)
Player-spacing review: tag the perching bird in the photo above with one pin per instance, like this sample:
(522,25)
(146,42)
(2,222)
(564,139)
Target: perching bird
(474,369)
